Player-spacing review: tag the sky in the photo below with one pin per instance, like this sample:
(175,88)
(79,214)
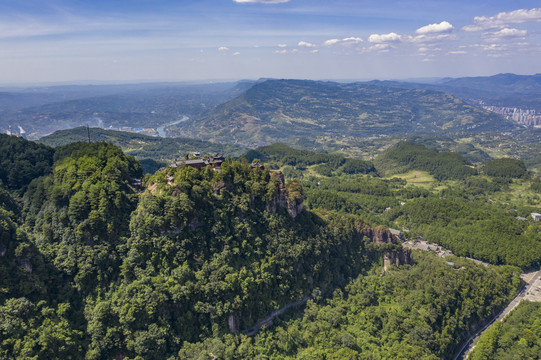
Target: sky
(177,40)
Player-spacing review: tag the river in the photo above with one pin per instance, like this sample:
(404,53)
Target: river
(161,129)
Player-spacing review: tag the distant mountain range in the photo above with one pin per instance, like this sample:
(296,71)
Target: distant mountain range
(284,110)
(41,111)
(508,90)
(253,113)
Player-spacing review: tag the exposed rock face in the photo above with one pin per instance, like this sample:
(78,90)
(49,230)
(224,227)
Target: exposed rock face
(385,240)
(233,323)
(380,235)
(290,198)
(397,258)
(3,251)
(25,264)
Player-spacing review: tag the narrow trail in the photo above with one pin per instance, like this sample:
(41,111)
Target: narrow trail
(268,320)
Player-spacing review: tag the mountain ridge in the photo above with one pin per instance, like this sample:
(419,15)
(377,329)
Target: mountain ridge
(280,110)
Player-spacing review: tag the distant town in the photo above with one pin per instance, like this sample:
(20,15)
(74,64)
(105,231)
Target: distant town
(528,118)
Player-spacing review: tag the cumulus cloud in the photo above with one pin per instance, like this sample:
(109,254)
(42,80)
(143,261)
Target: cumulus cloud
(306,44)
(384,38)
(331,42)
(381,48)
(431,39)
(223,48)
(443,27)
(456,52)
(504,34)
(503,19)
(507,32)
(236,53)
(282,45)
(261,1)
(344,42)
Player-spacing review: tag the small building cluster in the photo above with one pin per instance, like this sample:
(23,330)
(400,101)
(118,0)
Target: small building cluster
(198,163)
(536,216)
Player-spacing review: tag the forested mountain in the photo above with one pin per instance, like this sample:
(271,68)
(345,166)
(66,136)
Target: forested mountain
(238,263)
(142,146)
(415,313)
(21,161)
(443,165)
(283,110)
(98,270)
(283,155)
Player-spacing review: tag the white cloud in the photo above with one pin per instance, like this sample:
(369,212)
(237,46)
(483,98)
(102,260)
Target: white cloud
(349,41)
(380,48)
(504,18)
(330,42)
(236,53)
(456,52)
(506,33)
(306,44)
(443,27)
(494,47)
(282,45)
(431,39)
(384,38)
(286,51)
(261,1)
(223,48)
(314,51)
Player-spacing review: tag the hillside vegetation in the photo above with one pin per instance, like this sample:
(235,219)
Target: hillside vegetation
(284,110)
(98,270)
(417,312)
(142,146)
(443,165)
(517,337)
(196,264)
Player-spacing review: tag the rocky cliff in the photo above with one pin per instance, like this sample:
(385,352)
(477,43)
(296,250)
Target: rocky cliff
(389,245)
(289,197)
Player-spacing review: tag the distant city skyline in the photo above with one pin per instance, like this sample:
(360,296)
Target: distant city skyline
(166,40)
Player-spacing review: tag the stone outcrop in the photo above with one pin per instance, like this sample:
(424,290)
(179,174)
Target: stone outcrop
(25,264)
(390,246)
(290,198)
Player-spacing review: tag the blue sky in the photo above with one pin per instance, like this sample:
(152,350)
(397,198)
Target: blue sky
(166,40)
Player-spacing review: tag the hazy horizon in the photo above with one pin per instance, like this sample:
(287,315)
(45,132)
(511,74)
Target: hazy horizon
(68,41)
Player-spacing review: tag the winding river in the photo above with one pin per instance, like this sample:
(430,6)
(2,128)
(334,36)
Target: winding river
(161,130)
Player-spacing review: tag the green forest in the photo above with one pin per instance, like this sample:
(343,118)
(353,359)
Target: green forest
(518,337)
(249,262)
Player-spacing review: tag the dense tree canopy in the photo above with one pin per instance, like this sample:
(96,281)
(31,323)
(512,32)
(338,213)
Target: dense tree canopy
(21,161)
(193,266)
(443,165)
(518,337)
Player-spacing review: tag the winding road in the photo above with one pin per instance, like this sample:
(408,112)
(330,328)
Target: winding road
(531,291)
